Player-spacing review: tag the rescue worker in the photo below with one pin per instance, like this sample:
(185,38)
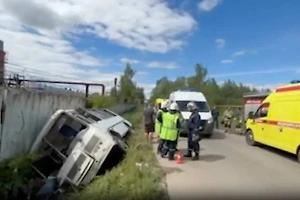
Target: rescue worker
(194,127)
(228,115)
(215,114)
(163,109)
(149,117)
(170,125)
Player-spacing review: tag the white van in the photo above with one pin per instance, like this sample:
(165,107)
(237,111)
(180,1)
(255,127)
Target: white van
(183,97)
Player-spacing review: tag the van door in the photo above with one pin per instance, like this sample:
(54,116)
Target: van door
(259,123)
(283,129)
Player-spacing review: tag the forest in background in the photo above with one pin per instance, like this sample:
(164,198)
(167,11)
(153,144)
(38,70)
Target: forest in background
(126,90)
(228,93)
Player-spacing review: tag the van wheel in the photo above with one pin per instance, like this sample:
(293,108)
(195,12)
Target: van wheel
(298,155)
(250,138)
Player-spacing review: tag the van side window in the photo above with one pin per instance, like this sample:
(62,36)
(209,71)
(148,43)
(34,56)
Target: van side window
(262,111)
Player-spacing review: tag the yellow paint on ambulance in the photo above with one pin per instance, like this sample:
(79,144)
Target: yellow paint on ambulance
(276,122)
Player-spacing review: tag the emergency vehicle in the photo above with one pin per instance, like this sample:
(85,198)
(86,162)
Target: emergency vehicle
(182,98)
(276,122)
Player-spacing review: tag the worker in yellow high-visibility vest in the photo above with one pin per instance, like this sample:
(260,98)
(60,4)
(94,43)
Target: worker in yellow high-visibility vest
(170,125)
(163,109)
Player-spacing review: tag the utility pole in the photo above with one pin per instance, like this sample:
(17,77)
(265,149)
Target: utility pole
(2,62)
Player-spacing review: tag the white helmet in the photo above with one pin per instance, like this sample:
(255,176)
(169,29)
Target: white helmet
(174,106)
(164,104)
(191,105)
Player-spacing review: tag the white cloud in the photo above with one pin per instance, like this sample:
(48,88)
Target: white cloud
(220,43)
(226,61)
(239,53)
(148,25)
(128,60)
(163,65)
(208,5)
(34,34)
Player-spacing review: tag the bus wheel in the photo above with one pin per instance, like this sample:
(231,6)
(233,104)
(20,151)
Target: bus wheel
(250,138)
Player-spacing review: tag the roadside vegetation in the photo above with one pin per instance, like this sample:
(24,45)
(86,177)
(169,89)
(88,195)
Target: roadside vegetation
(15,174)
(138,176)
(225,93)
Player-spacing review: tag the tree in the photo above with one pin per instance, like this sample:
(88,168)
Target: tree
(128,90)
(217,94)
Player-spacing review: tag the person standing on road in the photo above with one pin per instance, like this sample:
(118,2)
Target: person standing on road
(194,127)
(163,109)
(149,122)
(228,115)
(170,125)
(215,114)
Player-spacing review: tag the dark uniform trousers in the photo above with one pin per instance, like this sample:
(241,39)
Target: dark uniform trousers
(160,144)
(193,145)
(169,147)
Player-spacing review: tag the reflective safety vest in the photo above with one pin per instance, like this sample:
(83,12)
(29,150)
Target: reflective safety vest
(157,123)
(169,129)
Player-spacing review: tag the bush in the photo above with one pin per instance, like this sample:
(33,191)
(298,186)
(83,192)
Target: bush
(14,174)
(101,101)
(138,176)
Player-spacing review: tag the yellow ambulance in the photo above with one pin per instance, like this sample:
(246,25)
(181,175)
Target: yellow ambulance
(276,122)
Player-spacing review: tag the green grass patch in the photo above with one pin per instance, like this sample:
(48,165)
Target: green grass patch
(138,176)
(15,173)
(97,101)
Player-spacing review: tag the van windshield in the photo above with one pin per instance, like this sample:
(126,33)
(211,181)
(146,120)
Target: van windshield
(201,105)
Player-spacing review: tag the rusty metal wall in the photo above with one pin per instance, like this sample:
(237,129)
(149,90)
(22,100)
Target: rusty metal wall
(25,114)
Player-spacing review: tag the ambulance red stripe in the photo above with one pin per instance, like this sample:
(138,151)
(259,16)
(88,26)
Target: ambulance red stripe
(288,89)
(279,123)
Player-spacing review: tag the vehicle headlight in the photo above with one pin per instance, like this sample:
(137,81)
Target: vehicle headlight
(210,120)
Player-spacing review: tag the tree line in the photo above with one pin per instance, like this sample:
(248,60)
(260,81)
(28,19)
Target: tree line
(126,90)
(228,93)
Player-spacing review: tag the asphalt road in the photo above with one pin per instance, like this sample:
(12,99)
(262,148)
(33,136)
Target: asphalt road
(228,167)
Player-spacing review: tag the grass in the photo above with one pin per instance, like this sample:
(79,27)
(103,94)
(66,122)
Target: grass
(138,176)
(14,174)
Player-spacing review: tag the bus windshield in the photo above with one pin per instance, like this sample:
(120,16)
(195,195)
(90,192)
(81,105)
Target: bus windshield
(201,105)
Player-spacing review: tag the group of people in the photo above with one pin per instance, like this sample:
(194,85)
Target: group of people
(167,123)
(227,117)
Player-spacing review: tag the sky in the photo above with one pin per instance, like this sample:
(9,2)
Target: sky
(255,42)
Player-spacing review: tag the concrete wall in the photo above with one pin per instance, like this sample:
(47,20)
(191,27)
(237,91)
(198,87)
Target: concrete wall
(25,114)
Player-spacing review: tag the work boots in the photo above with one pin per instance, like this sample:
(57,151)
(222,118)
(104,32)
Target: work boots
(171,155)
(188,154)
(196,156)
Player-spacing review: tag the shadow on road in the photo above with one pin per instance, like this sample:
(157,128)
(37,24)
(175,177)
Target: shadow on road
(279,152)
(184,150)
(211,157)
